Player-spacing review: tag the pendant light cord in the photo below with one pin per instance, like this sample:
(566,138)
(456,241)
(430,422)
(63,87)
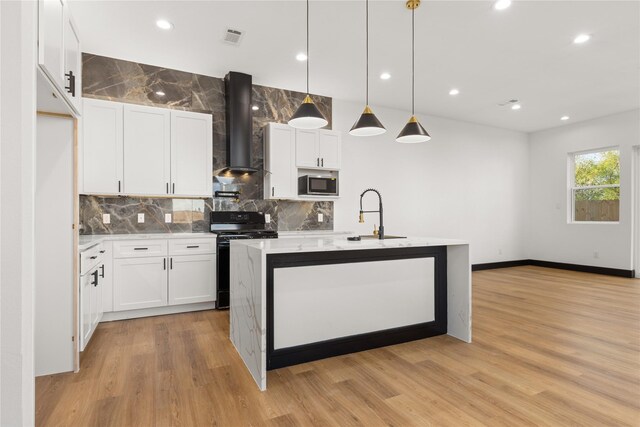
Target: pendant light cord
(307,47)
(413,62)
(367,50)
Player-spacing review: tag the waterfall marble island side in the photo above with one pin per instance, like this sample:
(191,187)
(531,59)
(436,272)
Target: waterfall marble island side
(300,299)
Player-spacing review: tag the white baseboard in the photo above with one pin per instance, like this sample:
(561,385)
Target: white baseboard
(156,311)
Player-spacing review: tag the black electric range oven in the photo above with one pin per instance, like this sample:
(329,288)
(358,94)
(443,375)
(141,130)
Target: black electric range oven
(228,226)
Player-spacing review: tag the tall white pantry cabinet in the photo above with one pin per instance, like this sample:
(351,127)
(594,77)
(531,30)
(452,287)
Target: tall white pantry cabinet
(134,150)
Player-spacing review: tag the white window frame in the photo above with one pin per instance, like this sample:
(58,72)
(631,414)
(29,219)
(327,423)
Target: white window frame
(572,185)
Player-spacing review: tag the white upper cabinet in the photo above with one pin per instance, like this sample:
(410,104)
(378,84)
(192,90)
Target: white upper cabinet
(50,40)
(318,149)
(102,147)
(307,148)
(72,62)
(329,149)
(59,54)
(147,150)
(191,154)
(279,161)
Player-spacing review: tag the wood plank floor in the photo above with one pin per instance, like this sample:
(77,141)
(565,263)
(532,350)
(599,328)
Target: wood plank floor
(551,348)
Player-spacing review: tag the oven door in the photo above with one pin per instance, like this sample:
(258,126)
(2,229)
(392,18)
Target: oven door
(222,273)
(322,186)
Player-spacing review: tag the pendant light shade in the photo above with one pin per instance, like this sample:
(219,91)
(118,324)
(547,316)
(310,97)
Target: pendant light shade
(413,132)
(307,116)
(368,124)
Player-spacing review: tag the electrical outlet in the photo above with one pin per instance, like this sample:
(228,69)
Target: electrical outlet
(267,218)
(140,218)
(106,218)
(320,217)
(167,218)
(499,251)
(596,254)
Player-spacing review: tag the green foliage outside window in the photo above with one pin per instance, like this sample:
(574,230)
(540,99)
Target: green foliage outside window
(602,168)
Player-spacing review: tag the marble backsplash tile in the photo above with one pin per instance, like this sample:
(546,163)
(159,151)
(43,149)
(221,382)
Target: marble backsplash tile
(125,81)
(192,215)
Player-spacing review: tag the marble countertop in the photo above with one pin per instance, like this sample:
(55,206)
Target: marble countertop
(312,233)
(87,241)
(340,243)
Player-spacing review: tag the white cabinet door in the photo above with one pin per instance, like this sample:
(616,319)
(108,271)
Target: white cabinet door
(192,279)
(72,62)
(280,164)
(102,147)
(50,40)
(329,149)
(307,149)
(139,283)
(106,276)
(191,154)
(146,150)
(87,294)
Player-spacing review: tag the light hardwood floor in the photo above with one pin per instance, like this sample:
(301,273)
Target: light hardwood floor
(551,347)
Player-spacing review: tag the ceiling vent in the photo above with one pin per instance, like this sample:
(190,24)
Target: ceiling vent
(509,102)
(232,36)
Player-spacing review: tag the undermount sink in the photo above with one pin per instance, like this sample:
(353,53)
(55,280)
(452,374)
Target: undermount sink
(372,236)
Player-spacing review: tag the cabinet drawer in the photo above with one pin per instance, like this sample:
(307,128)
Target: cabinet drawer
(139,248)
(90,258)
(192,246)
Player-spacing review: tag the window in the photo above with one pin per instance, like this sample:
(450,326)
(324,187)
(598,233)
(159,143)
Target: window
(595,186)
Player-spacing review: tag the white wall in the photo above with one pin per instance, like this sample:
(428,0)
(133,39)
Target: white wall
(551,236)
(469,182)
(17,141)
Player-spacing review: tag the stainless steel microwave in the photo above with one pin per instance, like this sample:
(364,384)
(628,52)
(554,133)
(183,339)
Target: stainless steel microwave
(317,185)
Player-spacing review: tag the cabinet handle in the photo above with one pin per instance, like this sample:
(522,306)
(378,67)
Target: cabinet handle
(119,186)
(173,188)
(140,249)
(273,191)
(102,273)
(193,247)
(95,277)
(102,252)
(93,257)
(72,83)
(167,188)
(171,263)
(164,263)
(322,162)
(318,161)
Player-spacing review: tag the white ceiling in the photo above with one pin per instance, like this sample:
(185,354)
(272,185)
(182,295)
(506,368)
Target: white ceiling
(524,52)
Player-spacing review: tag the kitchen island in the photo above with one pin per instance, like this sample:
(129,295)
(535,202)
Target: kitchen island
(300,299)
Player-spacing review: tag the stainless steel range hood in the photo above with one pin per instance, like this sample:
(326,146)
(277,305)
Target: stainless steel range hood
(239,123)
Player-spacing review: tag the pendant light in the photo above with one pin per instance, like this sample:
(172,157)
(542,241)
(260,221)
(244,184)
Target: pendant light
(307,116)
(368,124)
(413,131)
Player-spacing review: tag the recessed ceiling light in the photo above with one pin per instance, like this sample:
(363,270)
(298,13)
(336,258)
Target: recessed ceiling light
(160,93)
(516,106)
(301,56)
(564,118)
(501,4)
(385,76)
(255,108)
(454,92)
(164,24)
(581,38)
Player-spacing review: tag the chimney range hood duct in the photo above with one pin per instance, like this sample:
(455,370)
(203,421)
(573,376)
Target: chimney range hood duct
(239,123)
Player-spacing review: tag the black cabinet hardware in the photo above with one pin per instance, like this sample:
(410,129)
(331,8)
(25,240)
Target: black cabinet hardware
(140,249)
(93,257)
(102,251)
(171,263)
(167,188)
(72,83)
(273,191)
(119,185)
(173,188)
(164,263)
(318,161)
(102,271)
(322,162)
(95,278)
(193,246)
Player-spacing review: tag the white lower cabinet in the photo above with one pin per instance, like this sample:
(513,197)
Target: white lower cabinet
(91,293)
(192,279)
(139,283)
